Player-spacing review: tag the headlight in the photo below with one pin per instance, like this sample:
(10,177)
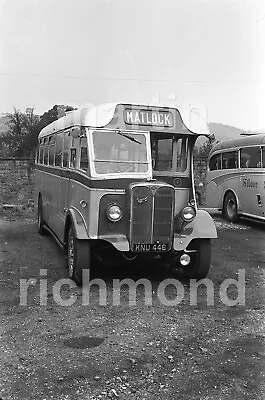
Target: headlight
(114,213)
(188,213)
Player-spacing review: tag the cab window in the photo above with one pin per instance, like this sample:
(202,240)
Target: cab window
(169,153)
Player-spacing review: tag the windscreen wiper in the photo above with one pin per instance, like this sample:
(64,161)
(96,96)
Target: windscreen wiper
(128,137)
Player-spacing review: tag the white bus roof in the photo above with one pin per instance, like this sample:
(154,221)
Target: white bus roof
(101,115)
(242,141)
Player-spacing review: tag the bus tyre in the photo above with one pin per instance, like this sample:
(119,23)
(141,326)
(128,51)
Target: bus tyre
(41,224)
(200,261)
(78,257)
(230,207)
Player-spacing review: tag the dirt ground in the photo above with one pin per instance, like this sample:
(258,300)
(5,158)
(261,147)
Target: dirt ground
(186,350)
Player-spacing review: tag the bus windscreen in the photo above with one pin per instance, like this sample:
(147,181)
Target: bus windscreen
(114,152)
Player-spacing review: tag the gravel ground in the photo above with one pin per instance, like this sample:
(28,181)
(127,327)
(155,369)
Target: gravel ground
(186,350)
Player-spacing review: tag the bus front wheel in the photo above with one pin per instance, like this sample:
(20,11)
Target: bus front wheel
(230,211)
(78,257)
(200,260)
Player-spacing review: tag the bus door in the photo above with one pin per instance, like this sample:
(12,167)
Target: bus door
(251,182)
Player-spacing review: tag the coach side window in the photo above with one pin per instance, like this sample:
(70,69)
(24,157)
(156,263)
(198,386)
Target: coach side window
(250,157)
(66,147)
(230,160)
(51,150)
(46,152)
(40,155)
(215,162)
(59,149)
(263,157)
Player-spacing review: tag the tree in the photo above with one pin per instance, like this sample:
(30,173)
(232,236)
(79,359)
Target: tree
(53,114)
(21,137)
(203,150)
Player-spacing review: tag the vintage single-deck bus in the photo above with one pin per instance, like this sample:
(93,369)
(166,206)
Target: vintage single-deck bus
(235,180)
(116,180)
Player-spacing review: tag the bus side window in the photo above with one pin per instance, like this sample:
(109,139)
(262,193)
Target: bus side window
(73,158)
(40,158)
(263,157)
(250,157)
(51,153)
(215,162)
(59,149)
(230,160)
(84,159)
(66,147)
(46,154)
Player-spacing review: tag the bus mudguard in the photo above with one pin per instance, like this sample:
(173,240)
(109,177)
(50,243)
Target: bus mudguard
(78,223)
(202,227)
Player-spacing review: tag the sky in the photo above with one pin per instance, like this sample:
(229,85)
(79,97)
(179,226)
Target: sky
(169,52)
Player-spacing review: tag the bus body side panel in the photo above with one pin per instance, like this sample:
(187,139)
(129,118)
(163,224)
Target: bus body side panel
(79,201)
(181,197)
(47,191)
(213,200)
(202,227)
(86,202)
(218,184)
(252,192)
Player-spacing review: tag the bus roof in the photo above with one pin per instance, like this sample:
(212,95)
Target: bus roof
(185,120)
(242,141)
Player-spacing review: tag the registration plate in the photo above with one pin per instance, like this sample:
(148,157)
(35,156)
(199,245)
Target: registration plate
(146,247)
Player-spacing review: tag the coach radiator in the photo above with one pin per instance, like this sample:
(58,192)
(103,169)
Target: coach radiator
(151,217)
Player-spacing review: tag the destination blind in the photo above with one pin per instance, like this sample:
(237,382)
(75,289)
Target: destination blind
(149,117)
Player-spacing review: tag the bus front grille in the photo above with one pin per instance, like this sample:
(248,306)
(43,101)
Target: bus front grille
(151,219)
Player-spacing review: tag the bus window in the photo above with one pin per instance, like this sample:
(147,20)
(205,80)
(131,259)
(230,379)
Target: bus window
(180,154)
(59,149)
(84,159)
(164,152)
(51,154)
(230,160)
(215,162)
(46,155)
(73,158)
(40,158)
(115,153)
(66,147)
(263,157)
(250,157)
(169,153)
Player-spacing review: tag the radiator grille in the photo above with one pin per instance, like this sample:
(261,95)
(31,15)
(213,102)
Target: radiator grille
(151,214)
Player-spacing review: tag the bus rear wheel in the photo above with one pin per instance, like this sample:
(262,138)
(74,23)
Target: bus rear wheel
(78,257)
(200,260)
(230,210)
(41,224)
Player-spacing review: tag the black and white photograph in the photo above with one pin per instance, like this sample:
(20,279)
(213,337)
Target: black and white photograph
(132,200)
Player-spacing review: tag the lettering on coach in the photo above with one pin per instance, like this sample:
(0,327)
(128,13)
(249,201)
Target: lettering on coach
(148,117)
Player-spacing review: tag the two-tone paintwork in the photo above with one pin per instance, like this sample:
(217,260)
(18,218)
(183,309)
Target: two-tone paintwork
(69,194)
(247,184)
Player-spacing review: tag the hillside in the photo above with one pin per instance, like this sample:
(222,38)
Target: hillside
(224,132)
(221,131)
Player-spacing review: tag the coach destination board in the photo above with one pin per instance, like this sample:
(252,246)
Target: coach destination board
(149,117)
